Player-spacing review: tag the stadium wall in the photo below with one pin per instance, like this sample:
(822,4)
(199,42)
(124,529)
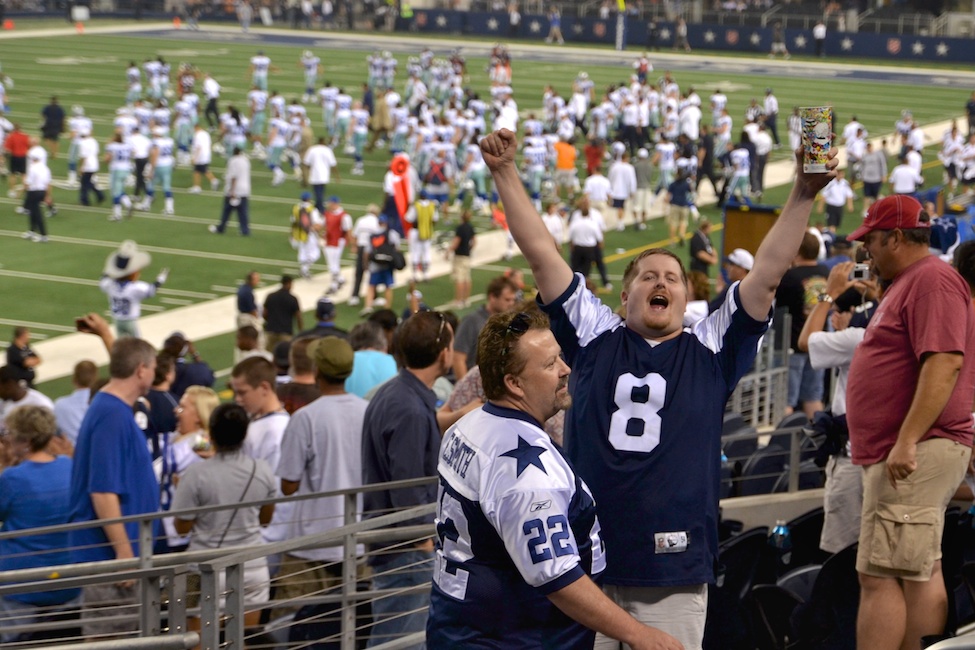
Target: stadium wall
(700,37)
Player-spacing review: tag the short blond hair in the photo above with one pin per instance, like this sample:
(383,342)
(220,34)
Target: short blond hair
(34,425)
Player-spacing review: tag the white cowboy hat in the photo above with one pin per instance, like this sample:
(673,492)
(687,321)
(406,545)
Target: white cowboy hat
(126,260)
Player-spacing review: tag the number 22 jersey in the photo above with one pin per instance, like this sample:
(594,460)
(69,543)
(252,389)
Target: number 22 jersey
(514,523)
(644,431)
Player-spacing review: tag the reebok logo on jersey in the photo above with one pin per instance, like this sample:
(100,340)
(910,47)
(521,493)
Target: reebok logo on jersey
(541,505)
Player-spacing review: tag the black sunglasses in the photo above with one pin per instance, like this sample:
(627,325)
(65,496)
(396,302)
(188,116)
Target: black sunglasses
(519,325)
(443,321)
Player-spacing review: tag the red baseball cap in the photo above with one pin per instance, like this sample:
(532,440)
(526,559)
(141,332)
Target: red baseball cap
(889,213)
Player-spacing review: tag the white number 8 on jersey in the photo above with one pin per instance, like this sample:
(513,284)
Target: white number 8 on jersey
(635,426)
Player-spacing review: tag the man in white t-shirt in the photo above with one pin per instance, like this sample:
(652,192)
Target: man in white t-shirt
(365,227)
(904,179)
(254,381)
(320,162)
(14,393)
(834,349)
(833,198)
(622,186)
(201,155)
(597,188)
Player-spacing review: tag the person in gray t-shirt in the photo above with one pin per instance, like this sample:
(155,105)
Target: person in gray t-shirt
(501,295)
(229,477)
(873,173)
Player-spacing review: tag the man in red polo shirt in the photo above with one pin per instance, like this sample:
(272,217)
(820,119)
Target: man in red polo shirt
(16,144)
(909,398)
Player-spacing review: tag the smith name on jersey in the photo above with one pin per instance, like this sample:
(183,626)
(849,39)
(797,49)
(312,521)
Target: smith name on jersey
(644,431)
(514,523)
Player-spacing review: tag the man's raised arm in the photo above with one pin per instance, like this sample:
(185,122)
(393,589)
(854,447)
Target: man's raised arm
(779,248)
(552,274)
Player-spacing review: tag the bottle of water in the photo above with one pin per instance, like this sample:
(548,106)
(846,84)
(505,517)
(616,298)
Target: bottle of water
(781,540)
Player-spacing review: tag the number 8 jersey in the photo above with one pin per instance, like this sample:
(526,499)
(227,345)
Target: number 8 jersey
(514,523)
(644,431)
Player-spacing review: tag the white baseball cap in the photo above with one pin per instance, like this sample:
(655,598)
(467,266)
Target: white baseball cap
(741,257)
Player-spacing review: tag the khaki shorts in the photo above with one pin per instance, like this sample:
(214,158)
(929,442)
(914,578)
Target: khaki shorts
(643,201)
(900,535)
(678,215)
(679,611)
(298,577)
(462,268)
(566,178)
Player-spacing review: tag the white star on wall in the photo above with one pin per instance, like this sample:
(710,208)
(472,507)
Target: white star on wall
(492,24)
(800,41)
(755,38)
(847,44)
(918,47)
(942,49)
(709,36)
(665,33)
(578,28)
(441,21)
(535,27)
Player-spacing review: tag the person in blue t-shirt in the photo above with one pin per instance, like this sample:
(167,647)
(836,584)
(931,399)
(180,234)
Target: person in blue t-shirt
(33,493)
(644,431)
(113,477)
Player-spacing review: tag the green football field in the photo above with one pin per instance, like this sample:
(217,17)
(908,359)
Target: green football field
(48,285)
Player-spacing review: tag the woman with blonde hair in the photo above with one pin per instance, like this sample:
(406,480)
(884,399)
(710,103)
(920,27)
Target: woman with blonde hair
(188,444)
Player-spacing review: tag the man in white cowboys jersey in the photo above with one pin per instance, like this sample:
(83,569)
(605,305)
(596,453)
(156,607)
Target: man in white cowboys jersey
(513,518)
(260,66)
(78,123)
(312,66)
(162,158)
(120,282)
(646,438)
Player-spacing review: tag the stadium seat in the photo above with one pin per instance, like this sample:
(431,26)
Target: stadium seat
(805,531)
(742,562)
(797,419)
(762,470)
(828,620)
(771,608)
(800,581)
(737,450)
(810,477)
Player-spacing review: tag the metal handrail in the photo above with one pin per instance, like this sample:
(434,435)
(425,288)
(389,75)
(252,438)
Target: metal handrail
(159,514)
(770,12)
(183,641)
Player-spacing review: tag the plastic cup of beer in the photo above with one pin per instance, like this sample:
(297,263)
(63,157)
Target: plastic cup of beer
(817,136)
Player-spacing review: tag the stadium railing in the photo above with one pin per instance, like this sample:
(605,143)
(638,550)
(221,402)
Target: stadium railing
(337,614)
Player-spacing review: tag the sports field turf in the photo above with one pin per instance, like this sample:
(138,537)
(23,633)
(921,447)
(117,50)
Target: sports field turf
(48,285)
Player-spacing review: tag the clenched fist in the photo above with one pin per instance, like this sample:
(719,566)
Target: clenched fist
(499,149)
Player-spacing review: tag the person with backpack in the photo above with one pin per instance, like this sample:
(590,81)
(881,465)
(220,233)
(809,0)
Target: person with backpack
(384,257)
(306,224)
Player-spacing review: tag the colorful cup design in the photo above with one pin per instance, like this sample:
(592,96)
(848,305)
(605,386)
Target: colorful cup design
(817,135)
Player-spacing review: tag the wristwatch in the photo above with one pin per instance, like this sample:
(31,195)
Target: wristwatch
(825,297)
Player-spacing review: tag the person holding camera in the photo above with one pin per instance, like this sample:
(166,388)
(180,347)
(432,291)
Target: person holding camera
(834,349)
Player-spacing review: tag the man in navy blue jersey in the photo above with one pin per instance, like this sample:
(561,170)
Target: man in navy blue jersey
(644,431)
(519,540)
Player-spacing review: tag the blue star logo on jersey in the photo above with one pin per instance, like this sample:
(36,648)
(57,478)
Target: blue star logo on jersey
(526,455)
